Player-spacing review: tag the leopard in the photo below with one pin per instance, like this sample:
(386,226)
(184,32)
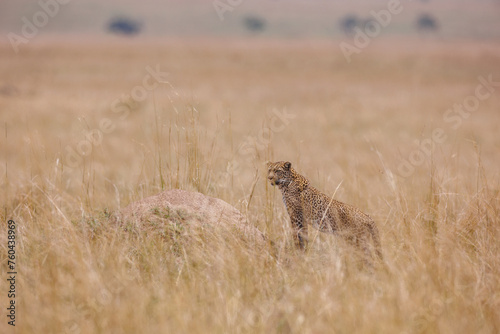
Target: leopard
(306,205)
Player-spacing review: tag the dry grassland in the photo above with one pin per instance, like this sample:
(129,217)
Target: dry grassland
(209,127)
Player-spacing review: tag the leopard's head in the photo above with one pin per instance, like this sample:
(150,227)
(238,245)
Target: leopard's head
(279,173)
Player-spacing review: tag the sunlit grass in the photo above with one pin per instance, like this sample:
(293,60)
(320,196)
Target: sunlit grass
(353,124)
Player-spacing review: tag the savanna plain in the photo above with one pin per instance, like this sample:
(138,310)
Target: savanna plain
(82,136)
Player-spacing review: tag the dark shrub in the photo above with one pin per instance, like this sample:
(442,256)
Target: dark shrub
(124,26)
(254,23)
(426,22)
(348,23)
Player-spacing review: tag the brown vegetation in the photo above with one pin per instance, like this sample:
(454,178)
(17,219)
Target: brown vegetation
(354,124)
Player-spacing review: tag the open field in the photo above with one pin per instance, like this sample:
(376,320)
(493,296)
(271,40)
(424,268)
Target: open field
(74,147)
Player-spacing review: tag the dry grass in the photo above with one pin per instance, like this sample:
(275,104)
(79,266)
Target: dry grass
(353,124)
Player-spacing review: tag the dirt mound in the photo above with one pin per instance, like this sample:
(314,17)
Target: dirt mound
(179,211)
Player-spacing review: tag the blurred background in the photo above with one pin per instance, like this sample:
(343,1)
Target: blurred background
(271,18)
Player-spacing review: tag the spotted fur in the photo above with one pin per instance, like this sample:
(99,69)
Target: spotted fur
(307,205)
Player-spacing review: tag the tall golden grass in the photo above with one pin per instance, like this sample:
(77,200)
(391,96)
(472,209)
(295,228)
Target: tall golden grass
(209,129)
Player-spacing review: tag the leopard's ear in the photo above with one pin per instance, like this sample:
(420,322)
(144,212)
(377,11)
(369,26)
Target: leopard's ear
(268,164)
(287,165)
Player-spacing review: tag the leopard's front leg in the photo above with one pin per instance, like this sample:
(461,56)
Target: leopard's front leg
(299,227)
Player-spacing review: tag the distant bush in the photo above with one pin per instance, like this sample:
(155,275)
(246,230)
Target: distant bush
(124,26)
(348,23)
(426,22)
(254,23)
